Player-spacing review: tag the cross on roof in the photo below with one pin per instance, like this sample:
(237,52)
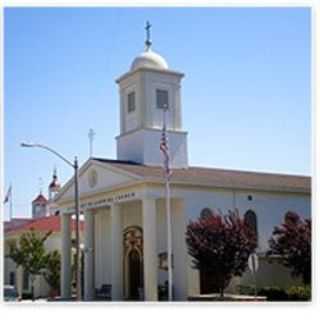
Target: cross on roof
(91,135)
(40,181)
(148,35)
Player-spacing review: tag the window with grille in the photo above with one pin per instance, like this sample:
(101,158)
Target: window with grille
(250,218)
(131,101)
(162,98)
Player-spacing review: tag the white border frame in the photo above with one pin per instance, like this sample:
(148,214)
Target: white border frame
(216,310)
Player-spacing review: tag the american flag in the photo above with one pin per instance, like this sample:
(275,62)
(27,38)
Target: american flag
(165,150)
(8,195)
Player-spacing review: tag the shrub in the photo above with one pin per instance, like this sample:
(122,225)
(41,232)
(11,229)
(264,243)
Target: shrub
(246,290)
(299,293)
(27,296)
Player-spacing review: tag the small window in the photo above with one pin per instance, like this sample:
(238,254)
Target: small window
(131,101)
(162,98)
(12,280)
(205,213)
(250,219)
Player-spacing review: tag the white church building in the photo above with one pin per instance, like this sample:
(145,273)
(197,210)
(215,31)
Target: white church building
(123,200)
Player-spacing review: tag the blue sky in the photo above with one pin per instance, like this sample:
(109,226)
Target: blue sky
(245,97)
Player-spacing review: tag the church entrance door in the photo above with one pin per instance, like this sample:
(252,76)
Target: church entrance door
(135,275)
(133,263)
(208,282)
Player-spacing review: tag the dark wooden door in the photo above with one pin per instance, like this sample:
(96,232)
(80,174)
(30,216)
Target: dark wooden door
(135,274)
(208,283)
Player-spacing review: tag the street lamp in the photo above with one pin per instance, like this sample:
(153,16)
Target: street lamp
(74,165)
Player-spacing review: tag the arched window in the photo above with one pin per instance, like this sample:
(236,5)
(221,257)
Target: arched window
(292,217)
(206,212)
(250,218)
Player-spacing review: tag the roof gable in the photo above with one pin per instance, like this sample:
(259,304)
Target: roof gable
(96,176)
(40,199)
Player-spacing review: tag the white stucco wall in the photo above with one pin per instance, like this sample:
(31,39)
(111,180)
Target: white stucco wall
(270,209)
(154,115)
(144,83)
(131,120)
(141,128)
(140,146)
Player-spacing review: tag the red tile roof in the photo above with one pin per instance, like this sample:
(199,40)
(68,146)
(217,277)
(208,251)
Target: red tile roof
(40,198)
(15,222)
(43,224)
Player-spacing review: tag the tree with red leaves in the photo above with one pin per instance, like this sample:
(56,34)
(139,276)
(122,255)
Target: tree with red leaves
(292,241)
(220,245)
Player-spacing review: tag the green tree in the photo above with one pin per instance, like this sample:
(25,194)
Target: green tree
(52,271)
(29,253)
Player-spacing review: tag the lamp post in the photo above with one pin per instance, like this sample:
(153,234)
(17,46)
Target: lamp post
(75,167)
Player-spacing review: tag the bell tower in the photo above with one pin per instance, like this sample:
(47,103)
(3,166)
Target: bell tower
(145,91)
(39,206)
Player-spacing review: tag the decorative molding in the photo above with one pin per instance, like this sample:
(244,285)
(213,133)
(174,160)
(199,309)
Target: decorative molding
(133,239)
(92,178)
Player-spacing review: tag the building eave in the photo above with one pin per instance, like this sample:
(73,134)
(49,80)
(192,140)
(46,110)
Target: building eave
(184,184)
(167,71)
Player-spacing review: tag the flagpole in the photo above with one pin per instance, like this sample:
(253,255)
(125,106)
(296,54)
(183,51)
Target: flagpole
(11,206)
(8,198)
(169,238)
(168,210)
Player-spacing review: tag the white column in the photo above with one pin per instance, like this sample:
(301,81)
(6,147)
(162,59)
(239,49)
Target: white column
(116,252)
(89,255)
(150,257)
(66,256)
(180,253)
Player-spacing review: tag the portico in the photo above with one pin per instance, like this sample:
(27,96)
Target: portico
(124,240)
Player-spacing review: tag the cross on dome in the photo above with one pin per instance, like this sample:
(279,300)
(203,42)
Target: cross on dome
(148,42)
(40,185)
(55,176)
(148,58)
